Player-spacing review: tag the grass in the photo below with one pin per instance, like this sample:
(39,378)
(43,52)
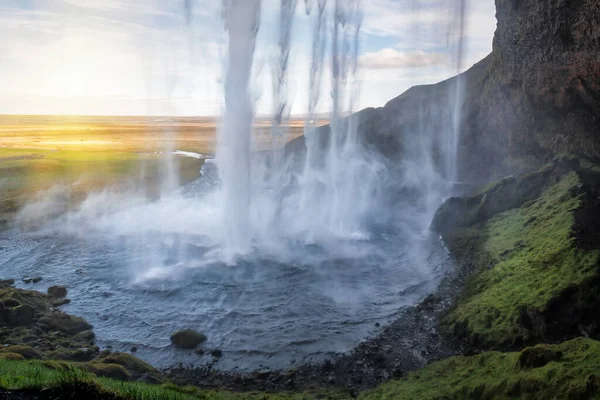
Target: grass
(526,258)
(571,372)
(40,375)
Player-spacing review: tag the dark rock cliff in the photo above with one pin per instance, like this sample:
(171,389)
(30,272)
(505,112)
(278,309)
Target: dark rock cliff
(536,95)
(542,93)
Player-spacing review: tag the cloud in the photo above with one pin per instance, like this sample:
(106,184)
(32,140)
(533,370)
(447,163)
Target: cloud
(391,59)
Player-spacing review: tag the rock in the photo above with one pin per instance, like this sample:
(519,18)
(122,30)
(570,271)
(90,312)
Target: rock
(60,302)
(134,349)
(79,355)
(5,283)
(58,292)
(23,315)
(113,371)
(199,351)
(86,335)
(27,352)
(11,356)
(536,357)
(66,323)
(134,365)
(187,339)
(32,279)
(11,303)
(216,353)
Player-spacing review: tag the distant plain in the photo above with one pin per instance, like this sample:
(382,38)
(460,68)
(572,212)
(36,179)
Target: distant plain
(87,153)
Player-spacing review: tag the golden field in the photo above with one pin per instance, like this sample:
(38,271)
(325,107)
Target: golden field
(86,153)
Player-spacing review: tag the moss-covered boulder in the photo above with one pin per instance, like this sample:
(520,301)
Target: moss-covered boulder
(531,260)
(187,339)
(78,355)
(113,371)
(27,352)
(11,356)
(65,323)
(136,367)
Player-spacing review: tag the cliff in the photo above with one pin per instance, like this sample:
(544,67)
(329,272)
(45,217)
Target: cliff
(535,96)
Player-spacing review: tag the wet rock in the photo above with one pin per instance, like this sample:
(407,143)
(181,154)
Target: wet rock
(60,302)
(5,283)
(216,353)
(32,279)
(187,339)
(58,292)
(133,349)
(66,323)
(199,351)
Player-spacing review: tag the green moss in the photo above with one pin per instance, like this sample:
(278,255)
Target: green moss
(571,374)
(526,258)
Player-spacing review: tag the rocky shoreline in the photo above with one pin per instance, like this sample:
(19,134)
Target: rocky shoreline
(406,344)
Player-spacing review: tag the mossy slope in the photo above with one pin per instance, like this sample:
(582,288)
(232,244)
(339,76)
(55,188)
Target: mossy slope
(528,269)
(565,371)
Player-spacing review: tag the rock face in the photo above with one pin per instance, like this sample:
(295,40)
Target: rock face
(536,95)
(542,91)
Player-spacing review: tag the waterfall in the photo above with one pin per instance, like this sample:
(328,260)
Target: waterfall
(456,49)
(242,21)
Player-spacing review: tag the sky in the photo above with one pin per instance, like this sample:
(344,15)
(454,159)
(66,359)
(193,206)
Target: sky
(167,57)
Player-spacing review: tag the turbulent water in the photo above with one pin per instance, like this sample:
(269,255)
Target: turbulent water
(297,303)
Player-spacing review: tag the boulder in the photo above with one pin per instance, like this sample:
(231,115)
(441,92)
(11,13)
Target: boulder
(113,371)
(136,367)
(6,283)
(11,356)
(22,315)
(10,302)
(27,352)
(66,323)
(58,292)
(537,357)
(187,339)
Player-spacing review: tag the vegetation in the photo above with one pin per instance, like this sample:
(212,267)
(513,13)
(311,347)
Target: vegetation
(524,260)
(73,380)
(565,371)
